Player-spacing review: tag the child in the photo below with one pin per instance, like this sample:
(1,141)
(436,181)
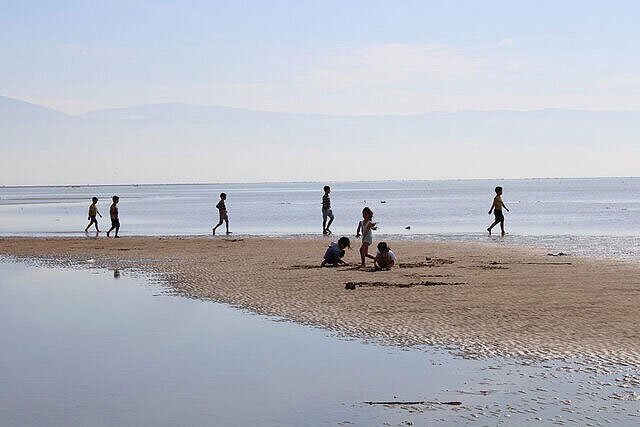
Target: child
(222,209)
(335,252)
(385,259)
(115,220)
(496,208)
(366,226)
(326,211)
(93,210)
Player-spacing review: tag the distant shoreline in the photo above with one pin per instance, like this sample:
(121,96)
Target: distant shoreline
(318,182)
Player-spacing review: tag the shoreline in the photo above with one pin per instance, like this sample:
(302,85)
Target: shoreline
(485,300)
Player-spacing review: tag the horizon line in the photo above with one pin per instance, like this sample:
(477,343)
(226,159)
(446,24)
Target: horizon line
(314,182)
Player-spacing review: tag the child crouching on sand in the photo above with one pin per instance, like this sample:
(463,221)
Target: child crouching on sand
(385,259)
(335,252)
(366,226)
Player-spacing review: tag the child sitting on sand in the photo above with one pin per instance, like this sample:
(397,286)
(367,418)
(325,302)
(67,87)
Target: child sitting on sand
(366,226)
(93,211)
(385,259)
(335,252)
(222,210)
(496,208)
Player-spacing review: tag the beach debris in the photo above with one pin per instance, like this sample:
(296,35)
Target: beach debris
(558,254)
(350,285)
(383,201)
(417,402)
(408,227)
(428,258)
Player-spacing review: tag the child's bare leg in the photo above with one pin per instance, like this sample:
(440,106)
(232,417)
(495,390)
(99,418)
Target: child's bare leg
(226,221)
(217,225)
(502,228)
(117,228)
(329,225)
(324,225)
(364,251)
(491,226)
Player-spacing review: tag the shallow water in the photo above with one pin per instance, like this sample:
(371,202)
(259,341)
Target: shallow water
(598,216)
(96,347)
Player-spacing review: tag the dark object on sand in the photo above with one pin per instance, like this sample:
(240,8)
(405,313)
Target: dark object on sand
(383,201)
(350,285)
(408,227)
(558,254)
(428,258)
(420,402)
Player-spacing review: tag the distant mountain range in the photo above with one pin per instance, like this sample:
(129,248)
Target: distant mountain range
(189,143)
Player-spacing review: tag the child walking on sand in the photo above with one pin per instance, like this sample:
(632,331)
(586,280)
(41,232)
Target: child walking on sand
(326,211)
(115,219)
(496,208)
(366,226)
(93,211)
(222,210)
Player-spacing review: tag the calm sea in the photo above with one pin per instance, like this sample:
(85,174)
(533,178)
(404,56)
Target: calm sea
(595,216)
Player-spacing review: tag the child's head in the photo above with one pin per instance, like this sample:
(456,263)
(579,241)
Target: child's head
(367,213)
(327,189)
(498,190)
(223,196)
(344,243)
(94,200)
(115,199)
(382,247)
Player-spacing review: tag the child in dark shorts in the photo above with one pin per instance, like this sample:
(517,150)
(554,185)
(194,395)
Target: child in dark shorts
(335,252)
(496,208)
(115,219)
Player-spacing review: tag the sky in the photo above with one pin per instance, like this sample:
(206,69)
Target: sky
(332,57)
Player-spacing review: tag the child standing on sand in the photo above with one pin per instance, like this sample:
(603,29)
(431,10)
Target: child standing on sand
(93,211)
(326,211)
(366,226)
(496,208)
(115,219)
(222,210)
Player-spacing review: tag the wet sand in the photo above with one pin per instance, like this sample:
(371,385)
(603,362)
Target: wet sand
(481,299)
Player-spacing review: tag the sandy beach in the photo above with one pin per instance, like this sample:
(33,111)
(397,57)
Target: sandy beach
(483,299)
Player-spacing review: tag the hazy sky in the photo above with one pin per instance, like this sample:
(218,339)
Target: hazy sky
(343,57)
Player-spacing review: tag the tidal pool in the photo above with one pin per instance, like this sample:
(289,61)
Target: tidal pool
(108,348)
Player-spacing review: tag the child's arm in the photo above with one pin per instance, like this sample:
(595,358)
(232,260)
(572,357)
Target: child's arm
(505,206)
(376,261)
(98,212)
(358,230)
(493,205)
(340,261)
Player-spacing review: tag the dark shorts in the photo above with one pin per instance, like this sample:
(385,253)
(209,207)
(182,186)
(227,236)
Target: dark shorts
(92,219)
(115,223)
(498,214)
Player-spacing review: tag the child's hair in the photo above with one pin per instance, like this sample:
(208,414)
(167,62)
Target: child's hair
(344,241)
(94,200)
(382,247)
(498,189)
(115,198)
(367,211)
(223,195)
(327,188)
